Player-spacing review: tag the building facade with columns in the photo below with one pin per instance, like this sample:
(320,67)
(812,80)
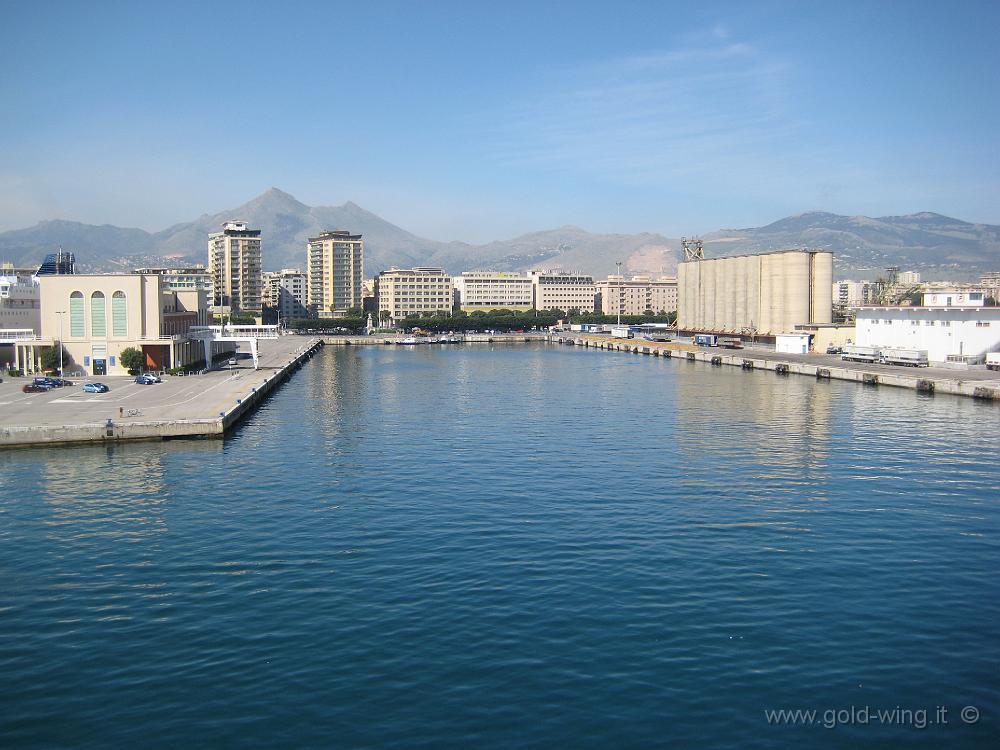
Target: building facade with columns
(97,316)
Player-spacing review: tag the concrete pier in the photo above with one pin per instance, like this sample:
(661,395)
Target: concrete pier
(979,384)
(189,406)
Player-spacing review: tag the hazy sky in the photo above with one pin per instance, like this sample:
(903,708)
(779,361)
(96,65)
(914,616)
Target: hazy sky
(479,121)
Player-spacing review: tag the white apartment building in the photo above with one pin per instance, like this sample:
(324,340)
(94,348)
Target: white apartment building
(493,290)
(852,294)
(402,291)
(554,290)
(234,257)
(621,296)
(334,273)
(20,301)
(990,282)
(285,290)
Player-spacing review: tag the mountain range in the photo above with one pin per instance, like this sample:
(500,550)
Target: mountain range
(937,246)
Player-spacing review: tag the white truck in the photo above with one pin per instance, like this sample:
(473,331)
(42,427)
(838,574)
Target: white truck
(993,360)
(904,357)
(856,353)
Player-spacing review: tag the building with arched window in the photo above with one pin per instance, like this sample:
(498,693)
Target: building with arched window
(97,316)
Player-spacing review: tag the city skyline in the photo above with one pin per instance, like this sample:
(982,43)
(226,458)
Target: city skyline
(472,124)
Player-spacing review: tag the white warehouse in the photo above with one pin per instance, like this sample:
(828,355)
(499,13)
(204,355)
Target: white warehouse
(947,334)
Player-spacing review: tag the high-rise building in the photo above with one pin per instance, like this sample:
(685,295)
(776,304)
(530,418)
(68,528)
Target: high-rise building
(335,273)
(555,290)
(234,259)
(636,296)
(285,290)
(493,290)
(402,291)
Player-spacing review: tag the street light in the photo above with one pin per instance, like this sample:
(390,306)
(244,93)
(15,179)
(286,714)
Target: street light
(621,291)
(60,313)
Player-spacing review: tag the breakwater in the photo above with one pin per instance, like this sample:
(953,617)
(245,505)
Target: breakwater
(987,390)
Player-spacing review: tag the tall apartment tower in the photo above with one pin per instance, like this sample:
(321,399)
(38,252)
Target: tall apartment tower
(234,266)
(335,273)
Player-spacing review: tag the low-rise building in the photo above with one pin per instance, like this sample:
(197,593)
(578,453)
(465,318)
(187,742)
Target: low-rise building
(638,295)
(555,290)
(493,290)
(947,333)
(97,316)
(954,298)
(285,291)
(404,291)
(196,277)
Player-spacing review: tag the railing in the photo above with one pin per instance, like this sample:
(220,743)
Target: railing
(18,334)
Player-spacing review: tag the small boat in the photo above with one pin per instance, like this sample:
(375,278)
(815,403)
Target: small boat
(408,341)
(449,340)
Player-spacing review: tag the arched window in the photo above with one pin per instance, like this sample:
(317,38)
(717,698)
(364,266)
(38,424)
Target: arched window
(76,326)
(98,323)
(119,315)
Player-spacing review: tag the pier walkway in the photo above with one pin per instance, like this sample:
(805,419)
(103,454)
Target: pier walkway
(181,406)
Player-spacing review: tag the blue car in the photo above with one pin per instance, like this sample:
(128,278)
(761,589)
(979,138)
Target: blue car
(95,388)
(146,380)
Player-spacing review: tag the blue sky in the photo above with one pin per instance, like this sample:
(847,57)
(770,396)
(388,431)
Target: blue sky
(479,121)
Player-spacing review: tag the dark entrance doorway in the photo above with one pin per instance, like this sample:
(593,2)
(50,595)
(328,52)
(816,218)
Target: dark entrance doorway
(100,367)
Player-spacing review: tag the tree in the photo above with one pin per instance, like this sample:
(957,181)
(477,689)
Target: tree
(132,359)
(50,357)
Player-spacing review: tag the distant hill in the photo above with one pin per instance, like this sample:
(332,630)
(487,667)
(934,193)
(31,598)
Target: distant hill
(938,246)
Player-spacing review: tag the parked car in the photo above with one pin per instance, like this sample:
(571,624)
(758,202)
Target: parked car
(95,388)
(152,376)
(60,382)
(145,380)
(37,388)
(232,361)
(834,350)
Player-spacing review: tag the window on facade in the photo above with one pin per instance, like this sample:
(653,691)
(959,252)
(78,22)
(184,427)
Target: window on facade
(98,324)
(119,314)
(76,326)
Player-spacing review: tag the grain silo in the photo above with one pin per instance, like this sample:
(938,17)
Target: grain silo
(770,293)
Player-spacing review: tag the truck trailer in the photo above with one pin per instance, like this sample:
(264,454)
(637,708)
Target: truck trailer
(904,357)
(993,360)
(855,353)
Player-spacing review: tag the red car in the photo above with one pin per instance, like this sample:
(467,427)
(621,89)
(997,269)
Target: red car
(36,388)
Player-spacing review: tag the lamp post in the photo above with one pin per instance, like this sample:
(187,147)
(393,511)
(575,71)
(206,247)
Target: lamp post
(621,291)
(60,313)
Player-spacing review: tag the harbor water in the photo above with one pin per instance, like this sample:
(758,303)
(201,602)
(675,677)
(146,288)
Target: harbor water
(514,546)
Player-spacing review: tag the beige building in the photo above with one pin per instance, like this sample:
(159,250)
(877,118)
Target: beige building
(96,317)
(620,296)
(335,273)
(493,290)
(402,291)
(554,290)
(234,257)
(769,293)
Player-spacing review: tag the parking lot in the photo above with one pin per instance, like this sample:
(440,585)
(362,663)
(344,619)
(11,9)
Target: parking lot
(177,397)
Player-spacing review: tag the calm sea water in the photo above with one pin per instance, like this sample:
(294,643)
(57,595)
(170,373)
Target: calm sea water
(535,547)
